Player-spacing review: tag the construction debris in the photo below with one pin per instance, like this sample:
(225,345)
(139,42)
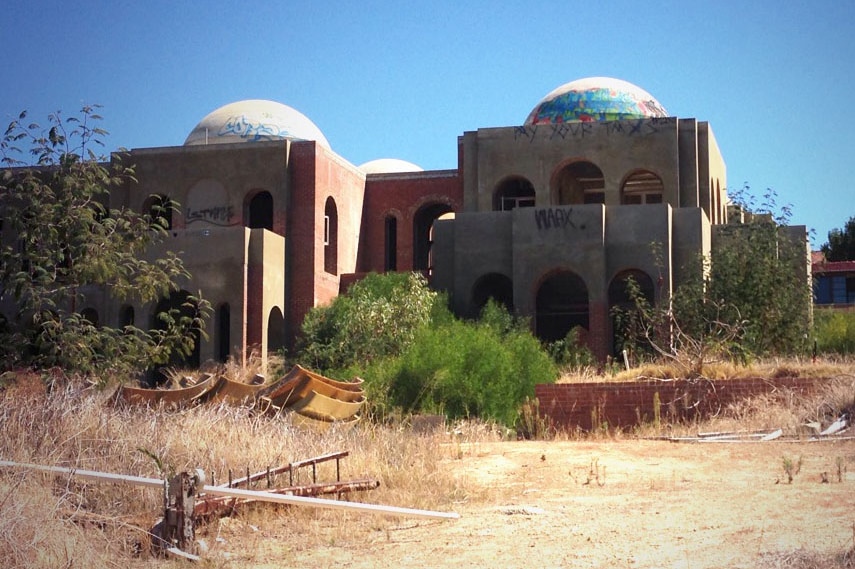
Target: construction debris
(834,432)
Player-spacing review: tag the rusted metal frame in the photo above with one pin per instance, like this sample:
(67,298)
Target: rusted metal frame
(242,493)
(270,472)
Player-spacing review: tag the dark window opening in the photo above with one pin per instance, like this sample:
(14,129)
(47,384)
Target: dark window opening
(261,211)
(330,237)
(390,261)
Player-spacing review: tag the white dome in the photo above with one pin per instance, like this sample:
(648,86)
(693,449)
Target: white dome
(389,166)
(254,120)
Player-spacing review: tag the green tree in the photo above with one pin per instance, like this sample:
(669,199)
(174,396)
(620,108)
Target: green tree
(378,317)
(752,295)
(758,275)
(841,243)
(68,243)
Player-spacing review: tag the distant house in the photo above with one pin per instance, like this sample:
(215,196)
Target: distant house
(834,282)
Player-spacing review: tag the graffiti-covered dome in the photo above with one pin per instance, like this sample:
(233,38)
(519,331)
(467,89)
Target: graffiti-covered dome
(254,120)
(595,99)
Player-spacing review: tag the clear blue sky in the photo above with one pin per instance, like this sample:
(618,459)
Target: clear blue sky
(404,79)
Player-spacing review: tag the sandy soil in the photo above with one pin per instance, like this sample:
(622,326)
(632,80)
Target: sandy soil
(608,504)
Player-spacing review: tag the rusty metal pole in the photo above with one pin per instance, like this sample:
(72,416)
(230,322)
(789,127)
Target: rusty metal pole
(177,528)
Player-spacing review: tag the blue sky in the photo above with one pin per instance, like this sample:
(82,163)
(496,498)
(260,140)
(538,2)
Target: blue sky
(405,79)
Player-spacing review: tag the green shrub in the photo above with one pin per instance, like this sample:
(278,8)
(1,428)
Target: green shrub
(464,369)
(378,317)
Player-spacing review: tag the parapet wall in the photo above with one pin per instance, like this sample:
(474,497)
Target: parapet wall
(588,406)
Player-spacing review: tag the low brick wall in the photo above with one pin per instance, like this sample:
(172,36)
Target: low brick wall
(621,405)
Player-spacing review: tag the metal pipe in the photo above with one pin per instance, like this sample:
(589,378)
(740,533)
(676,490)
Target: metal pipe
(239,492)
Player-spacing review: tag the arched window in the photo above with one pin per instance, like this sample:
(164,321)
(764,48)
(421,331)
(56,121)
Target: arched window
(512,193)
(561,305)
(642,187)
(330,237)
(260,211)
(578,183)
(422,232)
(390,239)
(159,208)
(224,323)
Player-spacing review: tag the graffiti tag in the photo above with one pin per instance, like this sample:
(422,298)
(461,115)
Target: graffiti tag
(221,215)
(554,218)
(244,128)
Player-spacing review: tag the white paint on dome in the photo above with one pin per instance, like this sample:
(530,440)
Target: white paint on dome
(389,166)
(254,120)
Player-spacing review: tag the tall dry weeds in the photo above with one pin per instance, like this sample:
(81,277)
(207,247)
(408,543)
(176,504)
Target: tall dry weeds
(55,521)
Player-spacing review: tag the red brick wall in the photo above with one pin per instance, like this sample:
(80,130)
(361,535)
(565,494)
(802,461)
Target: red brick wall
(401,195)
(299,240)
(620,405)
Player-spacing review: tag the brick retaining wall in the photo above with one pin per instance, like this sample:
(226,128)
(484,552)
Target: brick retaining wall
(620,405)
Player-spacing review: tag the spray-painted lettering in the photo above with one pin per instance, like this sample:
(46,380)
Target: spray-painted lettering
(554,218)
(220,215)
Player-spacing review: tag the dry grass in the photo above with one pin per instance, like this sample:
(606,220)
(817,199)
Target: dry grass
(823,367)
(60,522)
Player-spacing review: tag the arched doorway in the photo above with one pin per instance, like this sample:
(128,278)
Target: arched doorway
(422,225)
(512,193)
(494,286)
(578,183)
(561,305)
(275,331)
(627,328)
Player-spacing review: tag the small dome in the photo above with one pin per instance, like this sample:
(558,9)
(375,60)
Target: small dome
(595,99)
(254,120)
(389,166)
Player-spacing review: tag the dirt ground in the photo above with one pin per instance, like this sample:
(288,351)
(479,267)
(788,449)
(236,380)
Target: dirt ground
(613,503)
